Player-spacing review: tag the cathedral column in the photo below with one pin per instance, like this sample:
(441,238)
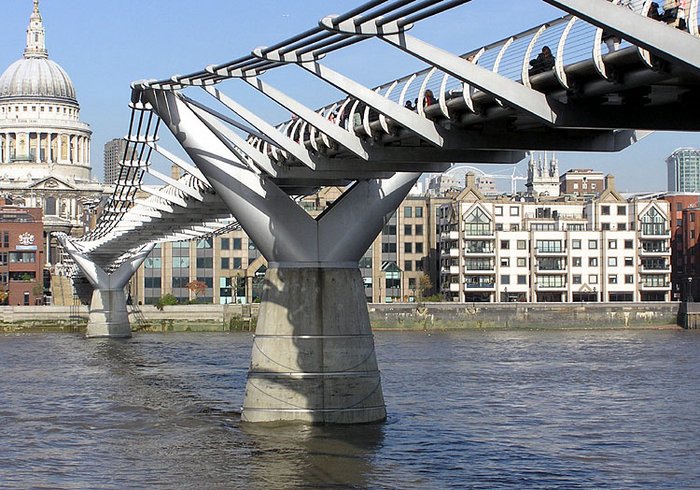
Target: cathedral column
(7,147)
(37,155)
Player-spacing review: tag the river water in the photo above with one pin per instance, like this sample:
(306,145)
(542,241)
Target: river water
(468,409)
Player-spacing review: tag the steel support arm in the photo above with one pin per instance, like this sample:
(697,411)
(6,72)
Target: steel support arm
(509,91)
(279,227)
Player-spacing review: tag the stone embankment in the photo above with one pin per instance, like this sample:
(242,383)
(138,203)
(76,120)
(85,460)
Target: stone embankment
(398,316)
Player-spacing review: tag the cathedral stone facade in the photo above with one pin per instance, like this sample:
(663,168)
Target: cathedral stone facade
(44,146)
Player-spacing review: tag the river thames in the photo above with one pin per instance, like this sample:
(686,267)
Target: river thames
(468,409)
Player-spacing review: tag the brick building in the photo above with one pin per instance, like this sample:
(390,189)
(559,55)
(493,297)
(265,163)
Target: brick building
(21,255)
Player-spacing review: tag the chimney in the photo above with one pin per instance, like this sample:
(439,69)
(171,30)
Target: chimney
(470,180)
(610,182)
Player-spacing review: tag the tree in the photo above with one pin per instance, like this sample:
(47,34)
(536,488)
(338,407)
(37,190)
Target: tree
(424,285)
(197,287)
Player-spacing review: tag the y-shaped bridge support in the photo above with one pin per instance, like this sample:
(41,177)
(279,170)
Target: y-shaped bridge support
(108,315)
(313,354)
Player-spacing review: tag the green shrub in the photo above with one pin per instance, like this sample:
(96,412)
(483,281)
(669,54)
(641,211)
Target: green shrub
(165,300)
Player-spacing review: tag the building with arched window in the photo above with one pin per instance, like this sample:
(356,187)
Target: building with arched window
(44,146)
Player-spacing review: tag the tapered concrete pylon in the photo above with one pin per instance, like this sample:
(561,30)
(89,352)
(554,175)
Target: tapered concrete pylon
(313,356)
(108,316)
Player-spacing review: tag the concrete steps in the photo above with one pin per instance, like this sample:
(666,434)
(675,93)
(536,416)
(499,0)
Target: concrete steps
(61,290)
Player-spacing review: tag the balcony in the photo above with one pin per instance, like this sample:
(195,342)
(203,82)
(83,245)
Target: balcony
(482,286)
(485,250)
(551,271)
(550,287)
(479,268)
(655,269)
(454,287)
(480,233)
(449,235)
(454,269)
(645,232)
(551,251)
(452,252)
(654,252)
(655,286)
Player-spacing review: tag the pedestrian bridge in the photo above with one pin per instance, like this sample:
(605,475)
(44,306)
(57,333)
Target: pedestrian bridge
(612,72)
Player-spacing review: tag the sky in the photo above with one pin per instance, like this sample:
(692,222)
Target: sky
(107,44)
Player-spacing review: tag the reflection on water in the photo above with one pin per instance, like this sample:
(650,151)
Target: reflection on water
(616,409)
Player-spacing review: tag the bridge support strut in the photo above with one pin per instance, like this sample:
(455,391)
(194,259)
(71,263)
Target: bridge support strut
(313,355)
(108,316)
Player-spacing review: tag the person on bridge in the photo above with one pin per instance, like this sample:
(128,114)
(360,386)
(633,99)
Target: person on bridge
(428,98)
(543,62)
(654,11)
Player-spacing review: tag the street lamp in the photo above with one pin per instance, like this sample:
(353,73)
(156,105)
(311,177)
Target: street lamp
(689,294)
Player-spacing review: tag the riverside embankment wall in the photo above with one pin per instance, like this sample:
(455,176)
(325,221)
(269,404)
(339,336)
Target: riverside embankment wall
(395,316)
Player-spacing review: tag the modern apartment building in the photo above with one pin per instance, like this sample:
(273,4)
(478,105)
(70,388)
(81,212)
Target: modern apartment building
(543,249)
(683,170)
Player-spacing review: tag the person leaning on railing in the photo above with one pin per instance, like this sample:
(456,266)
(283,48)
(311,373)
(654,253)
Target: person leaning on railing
(543,62)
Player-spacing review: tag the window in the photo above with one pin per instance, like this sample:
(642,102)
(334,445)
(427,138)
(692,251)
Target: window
(679,206)
(514,227)
(505,262)
(419,265)
(576,279)
(593,279)
(621,210)
(476,223)
(408,265)
(419,248)
(225,262)
(389,248)
(612,244)
(521,244)
(498,210)
(408,247)
(514,211)
(612,279)
(622,226)
(653,223)
(629,244)
(629,279)
(419,230)
(605,226)
(408,212)
(612,261)
(225,244)
(605,210)
(505,244)
(592,244)
(237,262)
(499,226)
(576,261)
(407,230)
(505,279)
(548,246)
(593,261)
(576,244)
(522,262)
(237,245)
(629,262)
(205,262)
(419,212)
(522,279)
(181,262)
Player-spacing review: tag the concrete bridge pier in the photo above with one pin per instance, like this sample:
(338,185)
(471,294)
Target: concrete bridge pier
(108,316)
(313,356)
